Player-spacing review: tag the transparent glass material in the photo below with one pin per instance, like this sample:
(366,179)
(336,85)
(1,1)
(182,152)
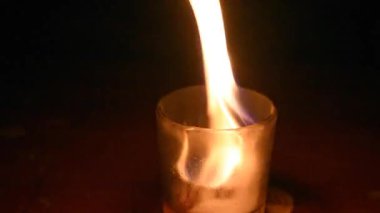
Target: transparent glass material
(186,146)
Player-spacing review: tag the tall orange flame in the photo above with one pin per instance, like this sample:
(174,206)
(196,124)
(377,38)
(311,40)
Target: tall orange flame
(222,91)
(224,111)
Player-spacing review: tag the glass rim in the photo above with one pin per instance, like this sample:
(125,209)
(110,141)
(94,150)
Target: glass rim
(272,116)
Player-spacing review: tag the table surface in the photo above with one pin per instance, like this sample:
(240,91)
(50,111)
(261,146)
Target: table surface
(109,163)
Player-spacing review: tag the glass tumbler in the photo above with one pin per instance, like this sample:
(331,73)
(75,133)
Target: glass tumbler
(208,170)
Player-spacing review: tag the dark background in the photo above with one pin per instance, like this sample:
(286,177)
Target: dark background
(80,79)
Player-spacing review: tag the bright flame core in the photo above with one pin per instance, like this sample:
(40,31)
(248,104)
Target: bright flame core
(222,91)
(224,111)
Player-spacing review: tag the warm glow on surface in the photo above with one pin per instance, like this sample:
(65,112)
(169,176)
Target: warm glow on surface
(224,111)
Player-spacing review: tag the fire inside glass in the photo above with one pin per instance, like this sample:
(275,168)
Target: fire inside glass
(207,170)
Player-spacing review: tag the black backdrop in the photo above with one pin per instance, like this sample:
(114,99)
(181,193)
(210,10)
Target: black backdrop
(65,55)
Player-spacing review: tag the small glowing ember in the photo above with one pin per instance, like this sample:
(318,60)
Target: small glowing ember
(224,111)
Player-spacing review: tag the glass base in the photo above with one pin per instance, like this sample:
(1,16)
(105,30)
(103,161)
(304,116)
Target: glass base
(166,209)
(278,201)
